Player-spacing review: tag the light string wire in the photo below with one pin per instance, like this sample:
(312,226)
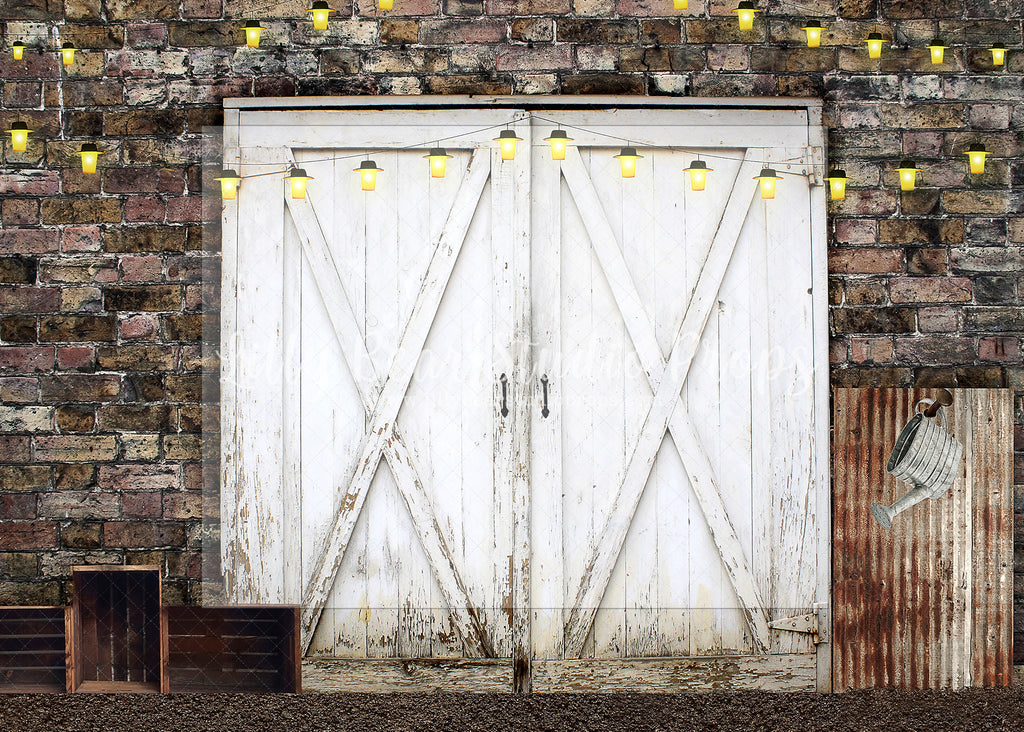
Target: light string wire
(515,120)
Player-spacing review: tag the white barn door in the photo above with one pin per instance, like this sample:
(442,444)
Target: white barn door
(531,424)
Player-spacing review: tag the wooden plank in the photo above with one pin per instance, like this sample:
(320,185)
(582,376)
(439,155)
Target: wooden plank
(256,571)
(390,399)
(401,460)
(407,674)
(291,416)
(664,408)
(546,521)
(792,672)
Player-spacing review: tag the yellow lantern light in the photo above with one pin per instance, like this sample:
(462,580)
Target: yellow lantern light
(908,174)
(745,12)
(386,4)
(90,155)
(229,182)
(507,140)
(19,136)
(559,144)
(698,171)
(627,161)
(298,179)
(18,49)
(813,30)
(768,178)
(368,174)
(874,41)
(837,184)
(938,49)
(321,12)
(252,30)
(976,157)
(438,158)
(998,54)
(67,53)
(680,4)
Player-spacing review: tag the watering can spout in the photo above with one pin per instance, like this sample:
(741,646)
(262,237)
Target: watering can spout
(885,514)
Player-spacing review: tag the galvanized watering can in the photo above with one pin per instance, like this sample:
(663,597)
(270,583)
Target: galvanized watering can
(925,455)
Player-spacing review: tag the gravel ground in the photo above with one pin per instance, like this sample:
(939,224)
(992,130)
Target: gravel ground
(974,709)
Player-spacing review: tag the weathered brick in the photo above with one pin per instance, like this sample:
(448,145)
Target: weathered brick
(17,506)
(182,505)
(927,350)
(142,297)
(396,61)
(927,261)
(79,505)
(25,419)
(79,388)
(999,349)
(75,448)
(468,84)
(146,239)
(975,202)
(26,359)
(19,212)
(81,535)
(148,534)
(476,30)
(528,7)
(993,319)
(865,261)
(81,211)
(597,83)
(597,31)
(18,564)
(182,447)
(882,321)
(138,477)
(519,58)
(128,417)
(871,350)
(59,564)
(14,448)
(30,183)
(930,289)
(25,477)
(935,232)
(76,328)
(75,418)
(533,30)
(142,505)
(21,535)
(995,290)
(18,329)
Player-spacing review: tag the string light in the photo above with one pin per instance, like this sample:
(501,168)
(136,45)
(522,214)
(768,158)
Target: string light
(67,53)
(368,174)
(998,54)
(767,179)
(813,30)
(321,14)
(698,171)
(874,41)
(18,49)
(438,158)
(19,136)
(252,33)
(298,179)
(908,174)
(229,182)
(386,4)
(976,157)
(559,141)
(837,184)
(507,140)
(627,161)
(90,155)
(745,13)
(680,4)
(938,50)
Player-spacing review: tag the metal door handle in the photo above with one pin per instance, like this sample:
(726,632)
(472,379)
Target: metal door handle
(544,382)
(504,396)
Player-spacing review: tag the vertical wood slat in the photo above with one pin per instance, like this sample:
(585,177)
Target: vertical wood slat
(928,603)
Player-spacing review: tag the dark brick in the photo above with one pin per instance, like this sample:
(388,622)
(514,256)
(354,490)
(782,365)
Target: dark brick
(203,34)
(995,290)
(81,211)
(17,270)
(19,535)
(25,477)
(926,261)
(75,418)
(136,418)
(146,239)
(145,297)
(76,328)
(873,320)
(79,535)
(595,30)
(18,329)
(468,84)
(603,84)
(60,388)
(147,534)
(149,122)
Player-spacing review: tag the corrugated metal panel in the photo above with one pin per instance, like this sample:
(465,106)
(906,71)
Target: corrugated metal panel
(928,603)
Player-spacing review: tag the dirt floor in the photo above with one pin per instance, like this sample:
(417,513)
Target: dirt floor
(967,710)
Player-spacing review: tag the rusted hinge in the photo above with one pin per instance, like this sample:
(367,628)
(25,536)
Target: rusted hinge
(814,623)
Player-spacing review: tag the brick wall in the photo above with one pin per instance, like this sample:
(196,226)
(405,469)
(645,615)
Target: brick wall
(100,286)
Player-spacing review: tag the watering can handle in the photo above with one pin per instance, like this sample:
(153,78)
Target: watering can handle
(942,399)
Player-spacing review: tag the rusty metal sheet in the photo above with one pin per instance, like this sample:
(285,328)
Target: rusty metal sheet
(928,603)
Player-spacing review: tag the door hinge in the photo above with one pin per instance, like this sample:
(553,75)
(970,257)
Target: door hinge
(815,623)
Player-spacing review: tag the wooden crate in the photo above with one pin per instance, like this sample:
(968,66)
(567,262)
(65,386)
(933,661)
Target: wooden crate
(233,649)
(116,637)
(33,646)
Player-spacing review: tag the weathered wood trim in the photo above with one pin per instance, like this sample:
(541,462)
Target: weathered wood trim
(786,672)
(466,616)
(393,392)
(323,674)
(666,379)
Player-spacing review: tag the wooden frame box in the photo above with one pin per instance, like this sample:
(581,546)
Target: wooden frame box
(116,638)
(233,649)
(33,649)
